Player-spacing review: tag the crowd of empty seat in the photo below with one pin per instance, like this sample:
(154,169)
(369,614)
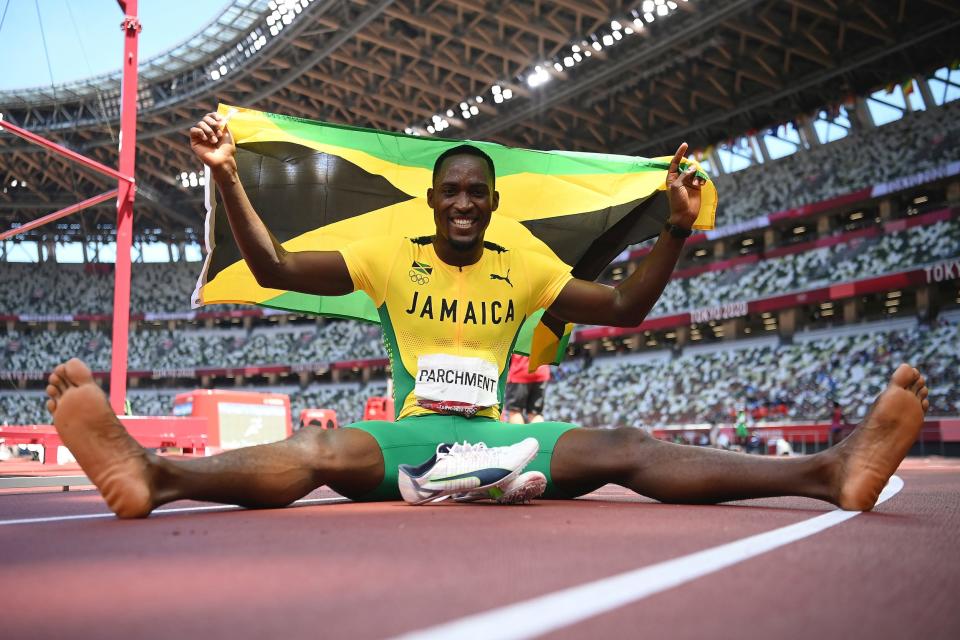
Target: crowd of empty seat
(919,141)
(153,349)
(856,260)
(798,381)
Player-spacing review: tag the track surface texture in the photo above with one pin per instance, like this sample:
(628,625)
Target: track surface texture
(333,569)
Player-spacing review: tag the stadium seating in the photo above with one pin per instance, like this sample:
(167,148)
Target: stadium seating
(921,140)
(789,382)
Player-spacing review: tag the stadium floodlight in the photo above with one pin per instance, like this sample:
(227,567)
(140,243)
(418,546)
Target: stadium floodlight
(495,89)
(649,17)
(628,31)
(430,129)
(449,113)
(617,35)
(479,99)
(577,57)
(507,94)
(466,115)
(616,26)
(558,66)
(607,40)
(662,10)
(597,46)
(538,77)
(575,48)
(464,106)
(497,98)
(568,61)
(436,118)
(648,6)
(474,110)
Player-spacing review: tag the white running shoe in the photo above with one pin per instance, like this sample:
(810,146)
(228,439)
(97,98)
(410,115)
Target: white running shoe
(464,468)
(524,488)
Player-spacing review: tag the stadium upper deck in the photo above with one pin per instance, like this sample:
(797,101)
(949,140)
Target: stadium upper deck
(876,204)
(629,77)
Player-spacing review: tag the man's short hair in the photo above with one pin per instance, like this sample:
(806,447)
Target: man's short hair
(464,150)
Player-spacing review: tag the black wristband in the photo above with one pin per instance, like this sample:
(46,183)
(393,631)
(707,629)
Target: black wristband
(677,231)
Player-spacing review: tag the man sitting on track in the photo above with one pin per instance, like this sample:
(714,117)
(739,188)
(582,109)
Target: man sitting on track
(470,319)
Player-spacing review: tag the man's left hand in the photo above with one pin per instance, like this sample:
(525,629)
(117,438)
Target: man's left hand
(683,191)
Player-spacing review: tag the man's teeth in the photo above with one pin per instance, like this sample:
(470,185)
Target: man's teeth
(463,223)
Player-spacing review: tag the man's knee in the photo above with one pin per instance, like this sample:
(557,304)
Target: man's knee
(338,451)
(627,438)
(596,456)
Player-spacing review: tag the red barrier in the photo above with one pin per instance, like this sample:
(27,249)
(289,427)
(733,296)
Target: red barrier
(319,418)
(152,432)
(379,408)
(237,418)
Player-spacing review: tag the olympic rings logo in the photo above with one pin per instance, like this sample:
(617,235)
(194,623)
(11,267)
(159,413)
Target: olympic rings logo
(418,278)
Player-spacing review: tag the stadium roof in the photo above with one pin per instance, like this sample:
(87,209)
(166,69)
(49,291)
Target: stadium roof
(625,77)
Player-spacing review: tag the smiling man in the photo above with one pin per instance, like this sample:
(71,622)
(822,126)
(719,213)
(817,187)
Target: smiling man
(451,305)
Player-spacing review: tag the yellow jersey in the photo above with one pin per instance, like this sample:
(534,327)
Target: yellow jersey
(449,331)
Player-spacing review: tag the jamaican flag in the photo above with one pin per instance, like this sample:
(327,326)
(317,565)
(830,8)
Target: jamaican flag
(319,186)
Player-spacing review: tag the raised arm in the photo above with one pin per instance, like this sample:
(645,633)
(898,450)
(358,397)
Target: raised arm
(627,304)
(317,272)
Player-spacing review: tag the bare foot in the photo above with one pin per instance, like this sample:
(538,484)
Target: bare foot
(870,455)
(88,427)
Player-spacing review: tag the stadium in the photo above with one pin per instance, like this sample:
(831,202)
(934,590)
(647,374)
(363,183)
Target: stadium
(830,133)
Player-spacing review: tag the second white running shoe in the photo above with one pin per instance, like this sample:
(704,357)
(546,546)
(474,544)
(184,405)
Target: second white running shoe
(524,488)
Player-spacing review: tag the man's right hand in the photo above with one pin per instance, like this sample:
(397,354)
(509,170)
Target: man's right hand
(212,143)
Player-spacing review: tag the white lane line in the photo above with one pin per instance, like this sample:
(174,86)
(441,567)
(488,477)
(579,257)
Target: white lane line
(216,507)
(553,611)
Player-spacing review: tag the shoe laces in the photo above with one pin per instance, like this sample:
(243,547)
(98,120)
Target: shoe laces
(478,452)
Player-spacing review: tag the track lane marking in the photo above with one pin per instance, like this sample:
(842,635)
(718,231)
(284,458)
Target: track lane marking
(215,507)
(553,611)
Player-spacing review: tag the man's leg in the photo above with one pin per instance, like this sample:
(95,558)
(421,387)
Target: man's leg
(850,475)
(516,402)
(134,481)
(536,393)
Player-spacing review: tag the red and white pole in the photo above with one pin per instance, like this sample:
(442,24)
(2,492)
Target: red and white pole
(127,192)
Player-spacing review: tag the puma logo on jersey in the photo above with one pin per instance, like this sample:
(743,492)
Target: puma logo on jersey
(505,278)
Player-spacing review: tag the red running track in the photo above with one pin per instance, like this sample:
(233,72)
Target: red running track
(344,570)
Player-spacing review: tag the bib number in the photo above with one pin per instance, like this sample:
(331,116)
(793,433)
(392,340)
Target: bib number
(455,384)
